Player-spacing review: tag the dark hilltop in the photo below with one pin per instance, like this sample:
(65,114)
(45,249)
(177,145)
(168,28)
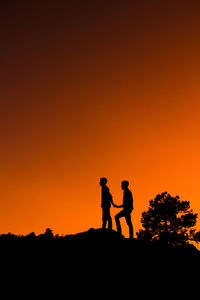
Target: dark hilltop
(99,238)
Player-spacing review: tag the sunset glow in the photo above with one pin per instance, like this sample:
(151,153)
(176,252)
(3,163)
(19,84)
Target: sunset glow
(94,89)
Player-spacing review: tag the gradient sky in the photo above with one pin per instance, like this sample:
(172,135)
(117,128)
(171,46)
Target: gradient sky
(91,89)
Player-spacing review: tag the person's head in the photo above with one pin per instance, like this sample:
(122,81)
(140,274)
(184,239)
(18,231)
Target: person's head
(103,181)
(124,184)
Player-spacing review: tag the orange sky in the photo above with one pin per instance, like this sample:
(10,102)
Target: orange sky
(92,89)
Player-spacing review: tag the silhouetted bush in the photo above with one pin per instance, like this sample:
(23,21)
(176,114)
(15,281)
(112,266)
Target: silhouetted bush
(31,236)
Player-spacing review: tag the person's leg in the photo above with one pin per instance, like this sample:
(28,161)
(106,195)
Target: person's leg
(117,217)
(104,218)
(129,223)
(109,220)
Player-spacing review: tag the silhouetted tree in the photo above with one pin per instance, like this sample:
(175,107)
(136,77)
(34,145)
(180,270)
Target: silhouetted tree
(169,221)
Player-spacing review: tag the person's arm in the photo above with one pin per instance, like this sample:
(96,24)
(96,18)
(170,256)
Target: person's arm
(111,200)
(119,206)
(114,205)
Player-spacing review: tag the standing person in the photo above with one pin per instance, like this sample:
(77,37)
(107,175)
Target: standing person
(127,208)
(106,201)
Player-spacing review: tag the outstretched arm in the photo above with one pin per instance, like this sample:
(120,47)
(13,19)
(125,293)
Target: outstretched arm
(119,206)
(114,205)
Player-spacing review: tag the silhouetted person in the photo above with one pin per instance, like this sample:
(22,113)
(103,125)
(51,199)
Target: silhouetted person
(106,201)
(127,209)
